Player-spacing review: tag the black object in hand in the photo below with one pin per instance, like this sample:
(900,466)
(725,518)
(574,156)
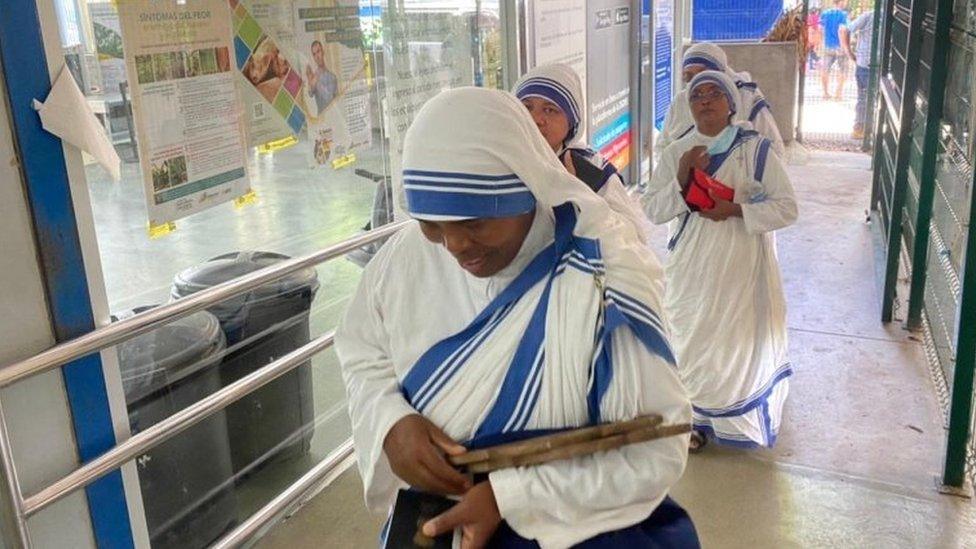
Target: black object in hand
(411,510)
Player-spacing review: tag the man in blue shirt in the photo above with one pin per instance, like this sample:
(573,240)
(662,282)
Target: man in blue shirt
(832,21)
(862,29)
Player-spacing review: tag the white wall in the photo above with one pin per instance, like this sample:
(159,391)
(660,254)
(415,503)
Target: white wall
(36,410)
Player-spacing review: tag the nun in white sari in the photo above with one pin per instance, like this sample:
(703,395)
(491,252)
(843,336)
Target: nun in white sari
(724,295)
(454,334)
(553,95)
(754,107)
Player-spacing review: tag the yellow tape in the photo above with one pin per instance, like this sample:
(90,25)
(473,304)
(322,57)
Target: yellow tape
(344,161)
(159,231)
(247,199)
(277,144)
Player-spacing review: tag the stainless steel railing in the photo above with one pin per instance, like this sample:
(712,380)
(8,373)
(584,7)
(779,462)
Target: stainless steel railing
(22,508)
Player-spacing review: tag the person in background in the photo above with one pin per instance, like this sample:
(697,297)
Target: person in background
(553,95)
(322,83)
(862,30)
(723,291)
(518,302)
(814,37)
(707,56)
(832,21)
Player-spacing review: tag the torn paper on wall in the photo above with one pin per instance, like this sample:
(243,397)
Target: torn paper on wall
(66,114)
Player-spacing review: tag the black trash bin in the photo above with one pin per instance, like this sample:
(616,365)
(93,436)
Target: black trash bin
(187,481)
(261,326)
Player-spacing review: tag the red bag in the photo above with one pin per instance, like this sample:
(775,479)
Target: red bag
(701,183)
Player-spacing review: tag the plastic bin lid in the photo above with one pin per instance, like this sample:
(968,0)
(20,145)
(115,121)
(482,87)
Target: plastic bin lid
(233,265)
(169,353)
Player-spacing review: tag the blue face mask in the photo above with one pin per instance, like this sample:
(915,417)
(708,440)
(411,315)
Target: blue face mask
(723,141)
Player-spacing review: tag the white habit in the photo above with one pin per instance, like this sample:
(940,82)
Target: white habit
(724,296)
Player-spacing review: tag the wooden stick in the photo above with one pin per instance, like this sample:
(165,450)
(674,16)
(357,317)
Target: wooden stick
(578,449)
(556,440)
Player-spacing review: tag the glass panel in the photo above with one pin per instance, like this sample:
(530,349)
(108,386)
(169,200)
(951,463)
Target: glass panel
(322,91)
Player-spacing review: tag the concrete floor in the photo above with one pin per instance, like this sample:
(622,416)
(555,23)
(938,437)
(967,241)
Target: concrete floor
(860,450)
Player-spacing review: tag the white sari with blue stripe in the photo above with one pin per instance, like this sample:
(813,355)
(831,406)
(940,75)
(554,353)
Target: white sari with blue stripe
(566,335)
(724,295)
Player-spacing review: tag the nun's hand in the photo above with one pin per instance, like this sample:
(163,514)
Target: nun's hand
(723,209)
(416,450)
(568,163)
(695,157)
(476,515)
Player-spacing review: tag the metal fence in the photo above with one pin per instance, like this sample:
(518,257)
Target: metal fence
(923,196)
(830,91)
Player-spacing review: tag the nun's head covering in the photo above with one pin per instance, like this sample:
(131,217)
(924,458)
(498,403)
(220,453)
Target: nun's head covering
(724,83)
(707,55)
(713,58)
(560,84)
(497,164)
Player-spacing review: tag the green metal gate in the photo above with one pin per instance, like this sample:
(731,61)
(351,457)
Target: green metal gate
(922,195)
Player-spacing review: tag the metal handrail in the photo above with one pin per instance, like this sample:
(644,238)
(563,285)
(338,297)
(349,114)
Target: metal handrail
(323,473)
(22,508)
(173,425)
(117,332)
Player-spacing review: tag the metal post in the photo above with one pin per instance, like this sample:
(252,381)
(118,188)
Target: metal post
(883,11)
(961,405)
(13,518)
(636,113)
(930,150)
(798,130)
(907,117)
(869,124)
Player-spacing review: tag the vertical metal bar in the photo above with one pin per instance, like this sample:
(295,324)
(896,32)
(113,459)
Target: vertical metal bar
(961,405)
(884,52)
(907,118)
(930,150)
(636,114)
(13,519)
(869,124)
(800,100)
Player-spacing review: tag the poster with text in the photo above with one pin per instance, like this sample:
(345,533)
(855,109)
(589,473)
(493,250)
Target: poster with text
(559,34)
(186,106)
(108,45)
(608,91)
(663,52)
(269,74)
(330,45)
(425,53)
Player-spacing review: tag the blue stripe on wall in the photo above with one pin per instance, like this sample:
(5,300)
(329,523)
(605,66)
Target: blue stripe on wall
(26,78)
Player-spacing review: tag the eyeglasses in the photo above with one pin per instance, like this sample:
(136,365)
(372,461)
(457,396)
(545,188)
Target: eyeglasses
(698,97)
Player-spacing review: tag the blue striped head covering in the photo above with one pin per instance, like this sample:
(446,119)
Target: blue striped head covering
(452,171)
(707,55)
(560,84)
(724,83)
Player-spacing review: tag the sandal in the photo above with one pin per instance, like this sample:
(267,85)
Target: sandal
(698,442)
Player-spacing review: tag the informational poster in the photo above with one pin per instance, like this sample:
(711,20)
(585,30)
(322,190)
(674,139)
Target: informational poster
(559,34)
(608,92)
(270,77)
(186,105)
(663,60)
(108,45)
(330,45)
(425,54)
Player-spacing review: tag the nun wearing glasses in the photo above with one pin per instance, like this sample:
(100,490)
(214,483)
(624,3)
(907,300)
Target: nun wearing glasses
(724,295)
